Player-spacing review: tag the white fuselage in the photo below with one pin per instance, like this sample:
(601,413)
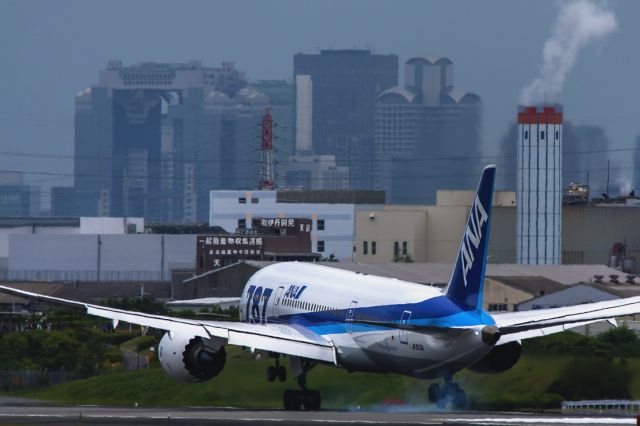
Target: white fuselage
(375,323)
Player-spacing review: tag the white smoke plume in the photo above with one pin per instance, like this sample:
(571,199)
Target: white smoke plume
(578,24)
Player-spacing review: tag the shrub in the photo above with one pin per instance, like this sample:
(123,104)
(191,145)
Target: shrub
(593,378)
(145,342)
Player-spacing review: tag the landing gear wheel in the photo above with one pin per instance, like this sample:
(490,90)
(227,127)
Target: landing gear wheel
(449,393)
(435,393)
(272,373)
(292,400)
(282,374)
(459,399)
(311,400)
(451,389)
(295,399)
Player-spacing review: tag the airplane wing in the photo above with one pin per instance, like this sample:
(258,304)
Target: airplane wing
(278,338)
(522,325)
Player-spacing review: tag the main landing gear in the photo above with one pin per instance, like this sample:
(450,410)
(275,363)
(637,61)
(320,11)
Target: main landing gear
(449,393)
(296,399)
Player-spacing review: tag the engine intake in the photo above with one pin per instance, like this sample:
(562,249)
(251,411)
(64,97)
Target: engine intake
(191,358)
(499,359)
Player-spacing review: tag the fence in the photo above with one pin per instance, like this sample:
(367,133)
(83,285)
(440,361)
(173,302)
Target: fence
(106,276)
(610,405)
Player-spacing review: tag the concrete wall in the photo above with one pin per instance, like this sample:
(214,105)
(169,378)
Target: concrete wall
(386,227)
(588,233)
(88,225)
(448,198)
(104,257)
(110,225)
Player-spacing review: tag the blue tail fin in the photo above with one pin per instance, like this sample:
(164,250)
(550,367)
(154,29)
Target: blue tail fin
(467,280)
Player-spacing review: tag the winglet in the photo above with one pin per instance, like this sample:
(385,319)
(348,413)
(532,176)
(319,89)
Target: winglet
(467,279)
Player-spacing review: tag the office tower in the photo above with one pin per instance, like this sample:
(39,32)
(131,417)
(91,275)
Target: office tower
(335,97)
(151,140)
(427,134)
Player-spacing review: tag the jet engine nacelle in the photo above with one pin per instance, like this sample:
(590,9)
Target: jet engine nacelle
(191,358)
(499,359)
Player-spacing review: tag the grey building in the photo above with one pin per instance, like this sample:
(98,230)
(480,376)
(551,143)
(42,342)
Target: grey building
(315,172)
(340,88)
(579,294)
(62,199)
(427,134)
(152,139)
(18,199)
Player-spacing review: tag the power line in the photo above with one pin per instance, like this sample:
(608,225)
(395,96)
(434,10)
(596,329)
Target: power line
(399,158)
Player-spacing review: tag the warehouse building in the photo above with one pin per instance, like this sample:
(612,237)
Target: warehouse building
(596,233)
(61,226)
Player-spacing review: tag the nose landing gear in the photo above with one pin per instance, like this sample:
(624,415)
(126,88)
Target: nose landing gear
(449,393)
(276,371)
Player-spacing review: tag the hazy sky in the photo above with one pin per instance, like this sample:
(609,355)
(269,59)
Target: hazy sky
(52,49)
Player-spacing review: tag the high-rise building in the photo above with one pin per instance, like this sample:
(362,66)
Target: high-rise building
(335,97)
(539,186)
(62,199)
(18,199)
(316,172)
(427,134)
(152,139)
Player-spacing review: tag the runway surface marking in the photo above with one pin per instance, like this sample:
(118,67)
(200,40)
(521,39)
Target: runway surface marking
(551,420)
(202,416)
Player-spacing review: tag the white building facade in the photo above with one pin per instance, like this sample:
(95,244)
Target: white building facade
(333,227)
(539,186)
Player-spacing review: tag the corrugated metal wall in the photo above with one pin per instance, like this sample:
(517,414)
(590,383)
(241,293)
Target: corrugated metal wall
(99,257)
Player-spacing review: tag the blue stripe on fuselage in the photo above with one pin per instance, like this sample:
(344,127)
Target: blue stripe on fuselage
(436,312)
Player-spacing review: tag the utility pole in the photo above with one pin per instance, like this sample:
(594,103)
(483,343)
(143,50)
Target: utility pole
(608,163)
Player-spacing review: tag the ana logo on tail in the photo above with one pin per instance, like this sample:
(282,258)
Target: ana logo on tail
(472,236)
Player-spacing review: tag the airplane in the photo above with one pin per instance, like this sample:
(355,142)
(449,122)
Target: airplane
(315,314)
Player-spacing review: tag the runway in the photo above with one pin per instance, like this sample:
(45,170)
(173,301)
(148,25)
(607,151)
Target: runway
(20,412)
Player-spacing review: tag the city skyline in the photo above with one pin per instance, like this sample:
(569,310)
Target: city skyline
(74,48)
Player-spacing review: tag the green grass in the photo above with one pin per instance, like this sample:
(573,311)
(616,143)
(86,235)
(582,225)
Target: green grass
(243,384)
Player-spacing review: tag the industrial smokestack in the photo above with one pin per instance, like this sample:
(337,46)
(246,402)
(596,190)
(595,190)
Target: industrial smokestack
(539,185)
